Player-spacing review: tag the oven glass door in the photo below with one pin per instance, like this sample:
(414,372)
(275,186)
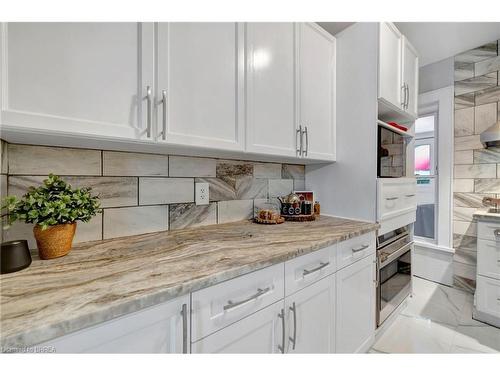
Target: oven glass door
(394,283)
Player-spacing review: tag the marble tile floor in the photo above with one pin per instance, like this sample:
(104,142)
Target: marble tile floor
(437,319)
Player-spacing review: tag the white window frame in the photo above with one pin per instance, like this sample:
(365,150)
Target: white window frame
(441,102)
(434,158)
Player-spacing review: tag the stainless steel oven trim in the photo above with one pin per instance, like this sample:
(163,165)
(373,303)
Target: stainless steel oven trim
(394,255)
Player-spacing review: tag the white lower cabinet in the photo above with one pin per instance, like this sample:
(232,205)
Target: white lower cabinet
(261,332)
(163,328)
(311,318)
(355,314)
(300,306)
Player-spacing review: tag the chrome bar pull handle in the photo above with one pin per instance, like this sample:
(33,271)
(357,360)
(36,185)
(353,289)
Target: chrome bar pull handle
(164,114)
(320,267)
(306,133)
(408,96)
(231,305)
(293,339)
(299,141)
(281,347)
(403,89)
(149,112)
(391,199)
(184,328)
(361,248)
(410,195)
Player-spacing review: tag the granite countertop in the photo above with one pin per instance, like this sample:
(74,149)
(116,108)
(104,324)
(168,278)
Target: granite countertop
(483,214)
(101,280)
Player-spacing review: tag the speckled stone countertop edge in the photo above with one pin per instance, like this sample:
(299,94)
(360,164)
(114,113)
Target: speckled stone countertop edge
(70,325)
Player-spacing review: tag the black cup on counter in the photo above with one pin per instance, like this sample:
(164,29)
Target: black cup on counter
(14,256)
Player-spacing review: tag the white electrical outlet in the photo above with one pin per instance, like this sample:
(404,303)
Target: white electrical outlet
(202,193)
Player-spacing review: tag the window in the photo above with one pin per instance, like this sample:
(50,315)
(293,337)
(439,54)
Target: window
(425,171)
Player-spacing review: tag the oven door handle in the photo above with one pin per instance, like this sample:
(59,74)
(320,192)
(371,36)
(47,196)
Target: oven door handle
(394,255)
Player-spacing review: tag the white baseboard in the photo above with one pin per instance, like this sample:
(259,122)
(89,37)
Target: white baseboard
(433,263)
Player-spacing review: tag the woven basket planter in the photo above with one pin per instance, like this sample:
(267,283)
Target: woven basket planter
(55,241)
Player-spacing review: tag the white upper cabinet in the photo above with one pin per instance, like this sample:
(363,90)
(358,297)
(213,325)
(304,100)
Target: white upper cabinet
(199,92)
(316,91)
(78,78)
(410,77)
(389,80)
(398,75)
(270,88)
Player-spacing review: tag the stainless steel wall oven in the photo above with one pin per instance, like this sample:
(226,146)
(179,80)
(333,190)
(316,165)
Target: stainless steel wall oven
(393,271)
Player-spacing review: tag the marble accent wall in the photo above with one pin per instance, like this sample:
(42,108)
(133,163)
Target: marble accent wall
(142,193)
(476,170)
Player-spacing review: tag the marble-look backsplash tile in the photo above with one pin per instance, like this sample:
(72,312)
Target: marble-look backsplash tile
(267,170)
(186,215)
(487,66)
(464,157)
(475,84)
(128,221)
(236,210)
(293,171)
(163,190)
(484,116)
(112,191)
(40,160)
(476,171)
(487,155)
(182,166)
(487,185)
(471,142)
(464,122)
(142,193)
(280,187)
(470,199)
(464,101)
(4,160)
(134,164)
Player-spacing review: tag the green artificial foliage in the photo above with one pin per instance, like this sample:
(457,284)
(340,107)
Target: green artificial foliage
(55,202)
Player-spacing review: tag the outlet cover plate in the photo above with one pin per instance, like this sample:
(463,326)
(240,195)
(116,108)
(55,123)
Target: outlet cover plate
(202,193)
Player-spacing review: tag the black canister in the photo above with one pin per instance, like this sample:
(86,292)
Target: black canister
(14,256)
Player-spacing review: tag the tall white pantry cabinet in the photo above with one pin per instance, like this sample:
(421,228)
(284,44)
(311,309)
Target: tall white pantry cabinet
(258,88)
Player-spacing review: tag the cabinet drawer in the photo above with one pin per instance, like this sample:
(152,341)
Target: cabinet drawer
(396,196)
(488,296)
(488,231)
(488,258)
(355,248)
(218,306)
(305,270)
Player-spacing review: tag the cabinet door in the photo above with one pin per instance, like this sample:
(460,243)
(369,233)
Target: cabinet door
(270,88)
(163,328)
(87,79)
(311,318)
(410,76)
(356,306)
(389,80)
(317,91)
(488,296)
(261,332)
(200,68)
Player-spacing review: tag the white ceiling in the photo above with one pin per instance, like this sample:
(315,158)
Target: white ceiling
(436,41)
(335,27)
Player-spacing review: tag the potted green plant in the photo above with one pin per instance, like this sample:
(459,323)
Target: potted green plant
(54,208)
